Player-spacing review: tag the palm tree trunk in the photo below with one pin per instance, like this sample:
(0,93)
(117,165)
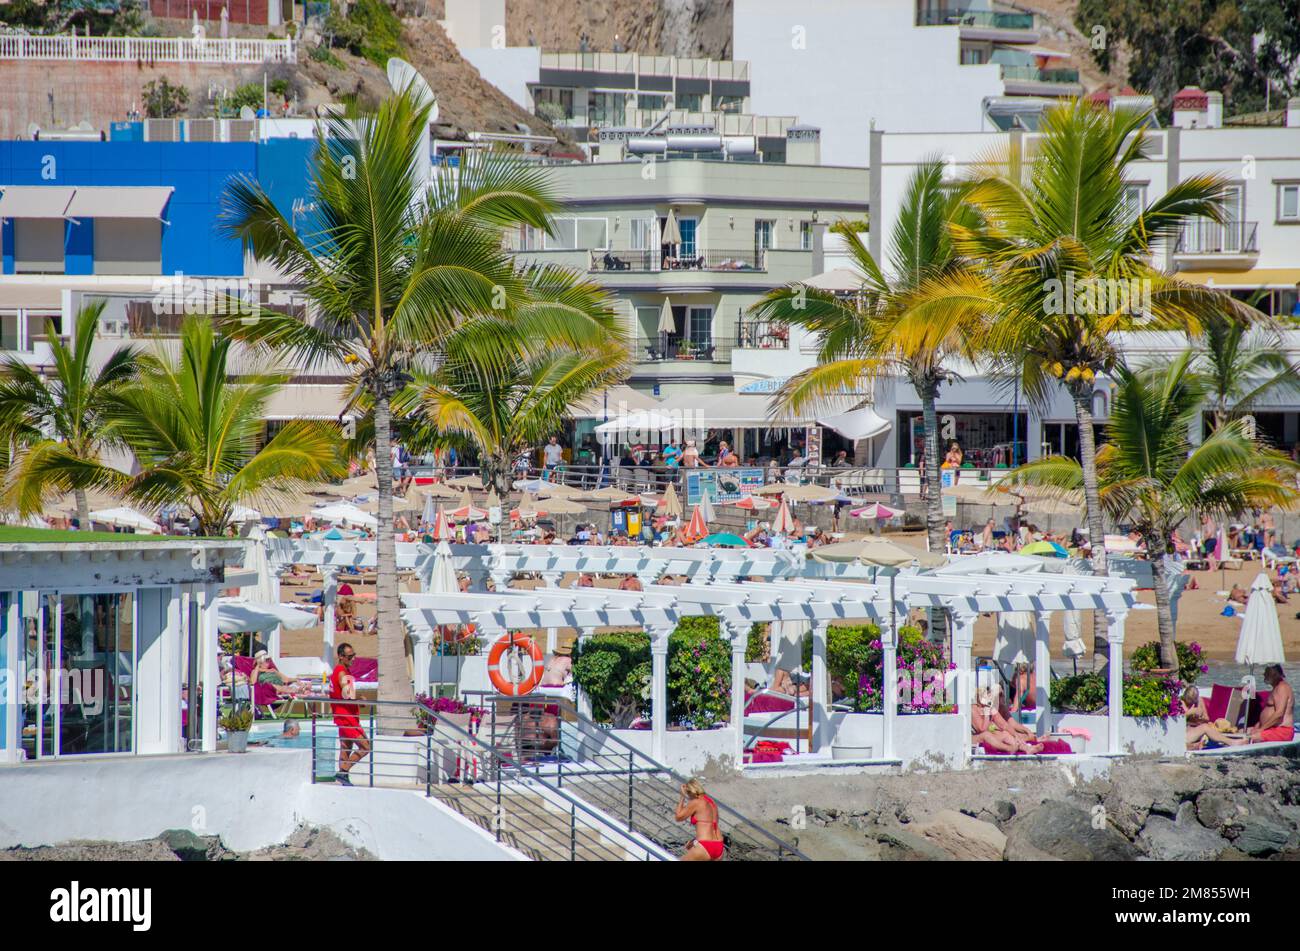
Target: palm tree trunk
(1164,606)
(930,493)
(394,685)
(83,509)
(1096,526)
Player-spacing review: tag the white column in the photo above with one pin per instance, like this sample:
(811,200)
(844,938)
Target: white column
(584,701)
(1115,667)
(12,679)
(659,691)
(1042,672)
(738,633)
(273,640)
(963,636)
(328,595)
(889,676)
(209,672)
(552,580)
(421,656)
(819,689)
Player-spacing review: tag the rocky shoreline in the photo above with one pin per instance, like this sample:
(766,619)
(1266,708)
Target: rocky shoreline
(1222,809)
(181,845)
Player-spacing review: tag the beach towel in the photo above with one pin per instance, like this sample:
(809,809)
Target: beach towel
(365,670)
(767,703)
(1216,707)
(1050,747)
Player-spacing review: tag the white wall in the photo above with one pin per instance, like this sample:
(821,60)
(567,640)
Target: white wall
(687,751)
(839,64)
(251,801)
(510,69)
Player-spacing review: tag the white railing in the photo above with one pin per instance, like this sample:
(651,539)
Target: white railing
(147,49)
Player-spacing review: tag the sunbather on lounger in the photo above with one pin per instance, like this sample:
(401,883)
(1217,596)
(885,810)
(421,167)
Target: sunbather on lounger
(782,683)
(985,731)
(1200,730)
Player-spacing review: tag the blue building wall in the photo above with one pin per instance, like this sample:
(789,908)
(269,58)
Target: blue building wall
(192,241)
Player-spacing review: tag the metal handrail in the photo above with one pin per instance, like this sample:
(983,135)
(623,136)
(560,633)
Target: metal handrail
(638,765)
(502,764)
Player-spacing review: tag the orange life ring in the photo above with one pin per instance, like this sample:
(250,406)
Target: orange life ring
(519,642)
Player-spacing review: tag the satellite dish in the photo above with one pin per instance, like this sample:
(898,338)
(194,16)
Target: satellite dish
(246,112)
(402,75)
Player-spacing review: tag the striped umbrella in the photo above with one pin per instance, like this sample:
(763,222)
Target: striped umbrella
(467,510)
(752,503)
(874,510)
(441,527)
(783,524)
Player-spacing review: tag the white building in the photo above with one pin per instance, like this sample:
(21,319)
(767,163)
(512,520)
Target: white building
(893,65)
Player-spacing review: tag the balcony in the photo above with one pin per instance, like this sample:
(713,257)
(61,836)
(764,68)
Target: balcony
(673,349)
(761,335)
(650,262)
(1210,243)
(1035,81)
(986,25)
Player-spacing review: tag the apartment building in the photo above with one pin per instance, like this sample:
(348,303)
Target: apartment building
(896,66)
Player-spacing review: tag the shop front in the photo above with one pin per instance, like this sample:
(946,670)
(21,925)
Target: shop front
(988,440)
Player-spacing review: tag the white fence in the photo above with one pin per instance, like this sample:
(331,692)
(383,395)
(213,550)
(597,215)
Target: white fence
(147,49)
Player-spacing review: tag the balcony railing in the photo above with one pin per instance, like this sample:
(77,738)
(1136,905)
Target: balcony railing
(643,262)
(148,49)
(761,335)
(986,18)
(1211,237)
(1034,74)
(667,348)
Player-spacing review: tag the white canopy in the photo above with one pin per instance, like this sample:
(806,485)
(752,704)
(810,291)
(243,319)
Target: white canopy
(990,562)
(116,201)
(35,201)
(236,616)
(839,280)
(344,512)
(1260,641)
(242,513)
(126,517)
(860,423)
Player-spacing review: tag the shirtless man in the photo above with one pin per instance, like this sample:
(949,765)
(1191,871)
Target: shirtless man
(1276,720)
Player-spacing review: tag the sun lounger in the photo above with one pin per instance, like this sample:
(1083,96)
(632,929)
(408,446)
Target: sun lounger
(775,716)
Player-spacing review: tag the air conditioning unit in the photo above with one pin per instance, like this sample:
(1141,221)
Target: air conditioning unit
(161,130)
(201,130)
(242,130)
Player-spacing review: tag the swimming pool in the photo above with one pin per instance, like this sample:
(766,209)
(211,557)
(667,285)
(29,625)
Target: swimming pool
(271,733)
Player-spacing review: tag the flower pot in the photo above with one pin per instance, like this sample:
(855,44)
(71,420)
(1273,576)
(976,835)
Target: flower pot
(237,742)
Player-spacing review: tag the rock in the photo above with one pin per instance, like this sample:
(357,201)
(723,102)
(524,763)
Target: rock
(1218,808)
(899,844)
(1004,810)
(1182,839)
(1065,832)
(1262,833)
(187,846)
(965,837)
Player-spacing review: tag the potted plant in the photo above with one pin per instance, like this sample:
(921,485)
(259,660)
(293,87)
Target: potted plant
(236,724)
(429,710)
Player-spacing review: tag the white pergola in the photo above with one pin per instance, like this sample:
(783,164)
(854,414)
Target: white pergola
(792,587)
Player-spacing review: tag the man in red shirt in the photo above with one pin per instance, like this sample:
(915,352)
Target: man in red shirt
(353,744)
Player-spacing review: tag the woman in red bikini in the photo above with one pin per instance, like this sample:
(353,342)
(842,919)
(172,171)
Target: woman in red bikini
(696,805)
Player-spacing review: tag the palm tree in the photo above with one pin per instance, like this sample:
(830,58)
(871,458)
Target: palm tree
(1151,476)
(501,410)
(393,268)
(916,321)
(57,425)
(1241,367)
(1070,264)
(195,436)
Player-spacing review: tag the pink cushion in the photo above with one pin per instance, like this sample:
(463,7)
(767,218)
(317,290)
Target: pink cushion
(1217,706)
(244,664)
(366,670)
(264,694)
(768,703)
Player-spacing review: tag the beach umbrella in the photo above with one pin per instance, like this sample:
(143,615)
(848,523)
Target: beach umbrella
(467,510)
(542,488)
(667,325)
(697,528)
(267,586)
(672,233)
(726,540)
(671,503)
(1048,549)
(783,524)
(1260,641)
(989,562)
(344,512)
(793,492)
(1015,638)
(428,515)
(466,482)
(751,503)
(126,517)
(439,490)
(876,553)
(441,527)
(875,510)
(238,616)
(706,508)
(239,514)
(610,494)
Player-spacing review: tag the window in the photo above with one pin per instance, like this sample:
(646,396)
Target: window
(973,55)
(9,335)
(578,234)
(1288,202)
(690,101)
(645,234)
(606,108)
(1134,199)
(764,235)
(38,246)
(689,227)
(731,104)
(805,235)
(528,238)
(552,103)
(128,246)
(701,325)
(652,101)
